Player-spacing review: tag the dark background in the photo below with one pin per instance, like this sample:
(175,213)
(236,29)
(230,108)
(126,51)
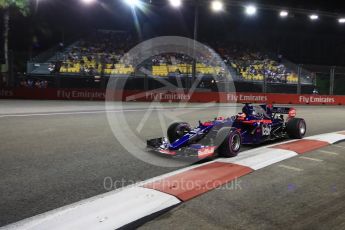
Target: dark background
(296,37)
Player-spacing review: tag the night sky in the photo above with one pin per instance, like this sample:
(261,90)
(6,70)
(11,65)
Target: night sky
(52,21)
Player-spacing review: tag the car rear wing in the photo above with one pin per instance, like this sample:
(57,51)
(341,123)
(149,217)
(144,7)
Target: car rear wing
(284,110)
(281,110)
(275,109)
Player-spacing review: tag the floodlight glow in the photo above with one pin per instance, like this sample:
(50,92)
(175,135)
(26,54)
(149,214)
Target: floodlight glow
(314,17)
(175,3)
(341,20)
(87,2)
(284,13)
(132,3)
(217,6)
(251,10)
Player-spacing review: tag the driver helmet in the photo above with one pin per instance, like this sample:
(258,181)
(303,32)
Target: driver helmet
(248,110)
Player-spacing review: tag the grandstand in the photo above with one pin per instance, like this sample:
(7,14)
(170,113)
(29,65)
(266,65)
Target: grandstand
(104,54)
(252,68)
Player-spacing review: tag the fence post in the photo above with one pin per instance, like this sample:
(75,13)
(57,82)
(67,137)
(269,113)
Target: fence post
(11,77)
(331,83)
(314,79)
(299,74)
(264,84)
(146,83)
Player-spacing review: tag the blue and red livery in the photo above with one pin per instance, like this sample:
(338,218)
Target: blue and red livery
(225,136)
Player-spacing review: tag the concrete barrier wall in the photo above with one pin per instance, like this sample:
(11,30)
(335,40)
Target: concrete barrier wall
(168,96)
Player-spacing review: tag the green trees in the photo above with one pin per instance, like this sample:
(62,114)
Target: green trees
(5,5)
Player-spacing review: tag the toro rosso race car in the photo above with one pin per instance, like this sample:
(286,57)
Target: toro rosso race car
(224,136)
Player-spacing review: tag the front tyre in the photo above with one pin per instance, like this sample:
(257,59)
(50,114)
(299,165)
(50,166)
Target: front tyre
(178,130)
(296,128)
(231,142)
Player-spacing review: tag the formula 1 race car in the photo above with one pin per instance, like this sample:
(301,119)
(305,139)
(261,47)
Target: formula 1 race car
(224,136)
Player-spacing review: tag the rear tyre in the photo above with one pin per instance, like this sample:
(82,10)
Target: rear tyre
(229,142)
(178,130)
(296,128)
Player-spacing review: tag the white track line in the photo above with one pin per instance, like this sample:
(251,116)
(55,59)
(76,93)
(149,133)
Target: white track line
(260,158)
(291,168)
(328,152)
(311,159)
(53,114)
(339,146)
(329,137)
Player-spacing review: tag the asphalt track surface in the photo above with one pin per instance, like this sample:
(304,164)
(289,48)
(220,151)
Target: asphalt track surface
(304,192)
(55,153)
